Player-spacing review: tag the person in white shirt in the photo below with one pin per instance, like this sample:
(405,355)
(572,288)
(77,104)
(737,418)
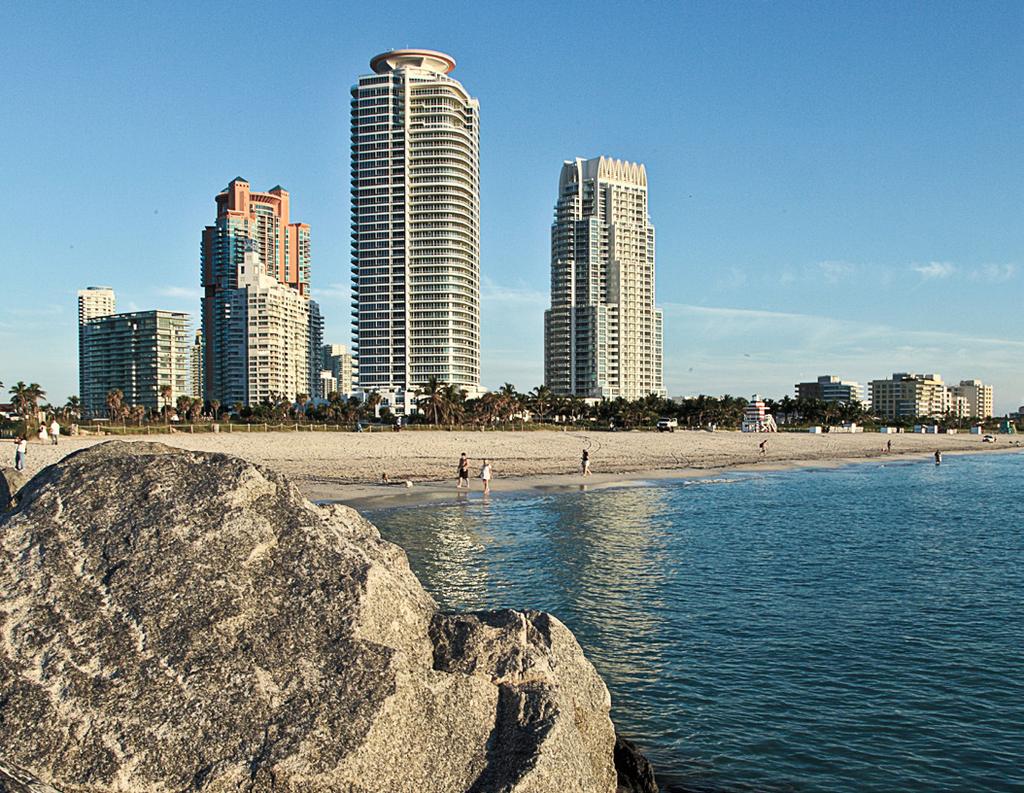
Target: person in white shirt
(54,431)
(20,448)
(485,476)
(43,437)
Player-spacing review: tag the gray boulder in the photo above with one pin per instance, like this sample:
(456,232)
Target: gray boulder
(11,481)
(175,621)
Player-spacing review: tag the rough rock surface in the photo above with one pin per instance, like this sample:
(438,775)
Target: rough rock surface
(11,481)
(636,774)
(174,621)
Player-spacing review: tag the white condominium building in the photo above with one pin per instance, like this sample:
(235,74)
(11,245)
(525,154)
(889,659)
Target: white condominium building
(93,301)
(603,334)
(907,395)
(415,226)
(977,397)
(264,350)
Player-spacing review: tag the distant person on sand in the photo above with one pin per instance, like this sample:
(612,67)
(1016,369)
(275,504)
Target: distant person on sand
(54,431)
(463,472)
(20,449)
(938,457)
(384,478)
(485,476)
(763,446)
(888,446)
(43,437)
(585,463)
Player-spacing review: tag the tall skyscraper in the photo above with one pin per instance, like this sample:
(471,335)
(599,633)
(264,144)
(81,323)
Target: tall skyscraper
(93,301)
(415,226)
(313,351)
(603,334)
(247,222)
(139,353)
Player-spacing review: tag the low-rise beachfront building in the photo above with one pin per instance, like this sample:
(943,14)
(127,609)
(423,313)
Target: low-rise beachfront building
(138,353)
(262,345)
(976,396)
(829,388)
(907,395)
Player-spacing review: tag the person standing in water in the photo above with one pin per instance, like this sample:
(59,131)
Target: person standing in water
(938,457)
(485,476)
(463,472)
(585,463)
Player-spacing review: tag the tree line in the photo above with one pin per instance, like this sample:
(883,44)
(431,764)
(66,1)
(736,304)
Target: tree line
(444,404)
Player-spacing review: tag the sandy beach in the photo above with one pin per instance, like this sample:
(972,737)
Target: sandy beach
(347,466)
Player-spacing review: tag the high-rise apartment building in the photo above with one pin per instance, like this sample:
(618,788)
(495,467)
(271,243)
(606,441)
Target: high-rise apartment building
(907,395)
(830,388)
(259,223)
(263,327)
(93,301)
(978,398)
(139,353)
(415,226)
(195,365)
(336,359)
(314,352)
(603,334)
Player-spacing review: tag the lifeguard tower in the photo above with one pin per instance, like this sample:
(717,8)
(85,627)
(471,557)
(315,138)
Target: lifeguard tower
(756,417)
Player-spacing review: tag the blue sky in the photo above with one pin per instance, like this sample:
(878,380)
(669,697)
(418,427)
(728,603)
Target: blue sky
(836,187)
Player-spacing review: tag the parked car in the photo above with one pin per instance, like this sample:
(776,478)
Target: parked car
(667,425)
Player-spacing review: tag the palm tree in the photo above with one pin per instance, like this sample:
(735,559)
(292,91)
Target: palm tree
(454,398)
(540,400)
(215,407)
(166,394)
(433,401)
(72,409)
(115,396)
(302,399)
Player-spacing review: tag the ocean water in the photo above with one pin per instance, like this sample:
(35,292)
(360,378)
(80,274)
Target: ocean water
(850,629)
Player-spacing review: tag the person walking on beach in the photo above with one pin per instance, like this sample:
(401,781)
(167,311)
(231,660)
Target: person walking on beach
(888,446)
(54,431)
(20,449)
(485,476)
(585,463)
(43,437)
(463,472)
(763,446)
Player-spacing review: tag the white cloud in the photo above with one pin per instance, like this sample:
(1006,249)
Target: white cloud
(994,273)
(935,269)
(836,271)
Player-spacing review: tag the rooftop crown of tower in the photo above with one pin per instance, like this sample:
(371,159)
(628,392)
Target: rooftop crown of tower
(431,60)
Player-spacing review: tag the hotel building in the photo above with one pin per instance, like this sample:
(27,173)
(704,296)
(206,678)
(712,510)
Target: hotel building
(830,388)
(977,397)
(138,353)
(259,223)
(603,334)
(263,327)
(415,226)
(907,395)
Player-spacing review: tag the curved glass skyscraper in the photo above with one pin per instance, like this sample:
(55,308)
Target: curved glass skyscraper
(415,226)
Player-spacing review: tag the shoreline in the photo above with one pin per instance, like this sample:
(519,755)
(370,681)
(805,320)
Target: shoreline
(346,468)
(361,496)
